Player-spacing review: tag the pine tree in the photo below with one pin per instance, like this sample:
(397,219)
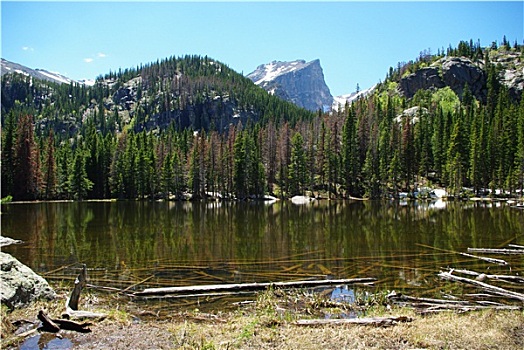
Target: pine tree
(8,154)
(297,166)
(26,165)
(240,167)
(50,180)
(79,183)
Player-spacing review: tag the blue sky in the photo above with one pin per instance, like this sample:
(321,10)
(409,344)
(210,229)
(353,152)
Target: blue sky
(356,42)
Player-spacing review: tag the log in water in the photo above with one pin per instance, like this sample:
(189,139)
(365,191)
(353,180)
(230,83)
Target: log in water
(248,286)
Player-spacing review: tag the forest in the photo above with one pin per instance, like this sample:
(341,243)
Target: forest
(191,127)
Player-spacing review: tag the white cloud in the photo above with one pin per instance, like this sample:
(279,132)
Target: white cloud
(88,60)
(27,48)
(101,55)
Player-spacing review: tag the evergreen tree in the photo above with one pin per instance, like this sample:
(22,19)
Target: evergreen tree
(26,177)
(297,166)
(50,180)
(240,167)
(79,184)
(8,154)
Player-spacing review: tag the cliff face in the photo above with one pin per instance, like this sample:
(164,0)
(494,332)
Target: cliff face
(299,82)
(456,72)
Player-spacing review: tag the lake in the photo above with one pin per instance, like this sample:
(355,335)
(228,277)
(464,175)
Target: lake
(152,244)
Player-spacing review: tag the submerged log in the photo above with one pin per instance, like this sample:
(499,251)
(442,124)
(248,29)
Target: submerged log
(488,287)
(247,286)
(373,321)
(490,260)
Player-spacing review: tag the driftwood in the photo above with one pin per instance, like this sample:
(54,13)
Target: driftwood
(488,287)
(465,308)
(80,283)
(504,251)
(55,325)
(394,296)
(372,321)
(246,287)
(482,276)
(72,302)
(516,246)
(48,324)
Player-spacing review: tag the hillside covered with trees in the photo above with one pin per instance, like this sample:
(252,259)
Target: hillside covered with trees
(192,126)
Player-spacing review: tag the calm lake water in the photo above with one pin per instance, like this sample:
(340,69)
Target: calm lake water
(152,244)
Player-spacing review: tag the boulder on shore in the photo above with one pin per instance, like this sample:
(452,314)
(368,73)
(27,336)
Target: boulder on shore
(19,285)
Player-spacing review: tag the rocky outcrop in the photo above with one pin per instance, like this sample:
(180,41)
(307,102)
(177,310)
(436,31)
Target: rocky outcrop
(423,79)
(456,72)
(414,114)
(19,285)
(299,82)
(459,71)
(513,72)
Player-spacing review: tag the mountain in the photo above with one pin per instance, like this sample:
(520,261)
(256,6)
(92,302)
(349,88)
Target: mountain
(340,101)
(298,81)
(11,67)
(187,92)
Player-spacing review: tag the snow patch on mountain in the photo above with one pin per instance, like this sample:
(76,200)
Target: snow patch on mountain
(55,76)
(8,67)
(266,73)
(299,82)
(340,101)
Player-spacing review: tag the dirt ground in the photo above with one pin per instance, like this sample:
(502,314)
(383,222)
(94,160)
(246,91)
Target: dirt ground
(268,323)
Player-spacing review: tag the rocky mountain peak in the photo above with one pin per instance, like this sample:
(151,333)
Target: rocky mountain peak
(297,81)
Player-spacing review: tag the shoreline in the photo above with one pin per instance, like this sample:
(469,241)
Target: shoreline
(271,321)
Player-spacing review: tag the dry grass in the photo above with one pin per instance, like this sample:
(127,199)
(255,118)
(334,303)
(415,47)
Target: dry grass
(269,324)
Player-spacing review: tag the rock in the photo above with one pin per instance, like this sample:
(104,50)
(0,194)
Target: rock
(19,285)
(413,113)
(425,78)
(459,71)
(298,81)
(301,200)
(456,72)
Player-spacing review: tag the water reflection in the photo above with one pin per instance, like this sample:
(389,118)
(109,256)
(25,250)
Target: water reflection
(172,243)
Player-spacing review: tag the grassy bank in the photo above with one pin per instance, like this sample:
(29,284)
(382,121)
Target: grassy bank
(269,323)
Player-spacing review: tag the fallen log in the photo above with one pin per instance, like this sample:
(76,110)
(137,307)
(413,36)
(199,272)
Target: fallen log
(73,326)
(248,286)
(503,251)
(55,325)
(488,287)
(373,321)
(466,308)
(48,324)
(482,276)
(393,296)
(81,314)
